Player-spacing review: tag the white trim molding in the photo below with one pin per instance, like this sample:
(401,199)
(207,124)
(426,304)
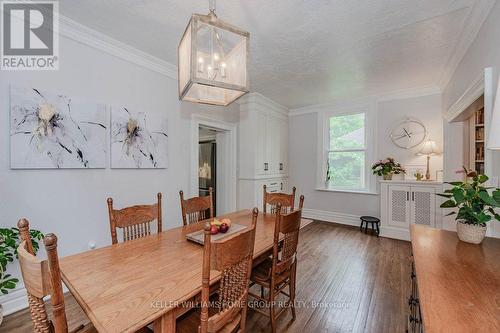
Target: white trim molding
(229,182)
(363,100)
(15,300)
(334,217)
(90,37)
(472,25)
(259,99)
(370,149)
(473,92)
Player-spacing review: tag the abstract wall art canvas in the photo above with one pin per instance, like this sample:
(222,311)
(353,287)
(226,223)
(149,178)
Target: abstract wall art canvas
(139,140)
(50,130)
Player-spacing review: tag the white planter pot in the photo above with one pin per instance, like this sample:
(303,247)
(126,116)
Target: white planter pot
(1,314)
(470,233)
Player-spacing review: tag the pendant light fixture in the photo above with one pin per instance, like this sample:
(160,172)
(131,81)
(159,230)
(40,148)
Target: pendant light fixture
(212,60)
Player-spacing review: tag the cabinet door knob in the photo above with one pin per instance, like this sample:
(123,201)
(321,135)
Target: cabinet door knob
(407,196)
(266,166)
(412,196)
(281,166)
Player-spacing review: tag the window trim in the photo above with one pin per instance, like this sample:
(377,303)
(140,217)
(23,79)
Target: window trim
(370,147)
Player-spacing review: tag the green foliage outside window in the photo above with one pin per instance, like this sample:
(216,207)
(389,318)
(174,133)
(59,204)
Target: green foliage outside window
(346,156)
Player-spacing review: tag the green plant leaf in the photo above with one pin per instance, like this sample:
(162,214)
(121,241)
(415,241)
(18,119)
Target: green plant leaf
(455,183)
(496,195)
(448,204)
(452,213)
(488,199)
(445,195)
(458,195)
(482,178)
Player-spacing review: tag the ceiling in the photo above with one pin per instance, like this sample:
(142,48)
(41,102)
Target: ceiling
(305,52)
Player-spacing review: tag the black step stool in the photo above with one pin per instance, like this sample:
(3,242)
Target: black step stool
(370,219)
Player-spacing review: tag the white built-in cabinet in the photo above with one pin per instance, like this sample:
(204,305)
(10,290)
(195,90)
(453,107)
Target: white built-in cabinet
(409,202)
(263,149)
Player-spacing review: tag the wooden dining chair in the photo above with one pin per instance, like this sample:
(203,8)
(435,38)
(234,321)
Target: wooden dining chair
(135,221)
(232,257)
(279,271)
(43,278)
(197,209)
(286,201)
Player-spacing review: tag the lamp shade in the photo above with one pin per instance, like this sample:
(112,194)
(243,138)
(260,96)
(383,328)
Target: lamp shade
(494,129)
(212,59)
(429,148)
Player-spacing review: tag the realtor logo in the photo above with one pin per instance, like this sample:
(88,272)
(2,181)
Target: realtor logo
(29,36)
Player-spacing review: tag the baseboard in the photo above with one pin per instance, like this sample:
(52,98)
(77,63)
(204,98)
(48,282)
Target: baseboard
(323,215)
(396,233)
(14,301)
(17,300)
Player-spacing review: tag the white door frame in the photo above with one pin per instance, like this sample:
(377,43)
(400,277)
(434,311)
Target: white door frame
(228,182)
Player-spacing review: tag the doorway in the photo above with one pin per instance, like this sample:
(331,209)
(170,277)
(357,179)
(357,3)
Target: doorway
(207,163)
(213,161)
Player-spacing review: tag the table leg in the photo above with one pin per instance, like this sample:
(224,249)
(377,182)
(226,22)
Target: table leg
(166,323)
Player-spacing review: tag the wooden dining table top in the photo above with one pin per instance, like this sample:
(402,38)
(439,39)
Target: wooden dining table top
(124,287)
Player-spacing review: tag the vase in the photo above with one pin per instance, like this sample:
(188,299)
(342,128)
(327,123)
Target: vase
(388,176)
(470,233)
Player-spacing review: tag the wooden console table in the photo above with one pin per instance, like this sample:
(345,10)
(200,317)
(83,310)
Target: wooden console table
(457,285)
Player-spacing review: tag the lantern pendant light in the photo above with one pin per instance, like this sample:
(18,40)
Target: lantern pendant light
(212,60)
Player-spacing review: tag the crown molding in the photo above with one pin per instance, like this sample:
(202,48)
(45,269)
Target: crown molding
(472,26)
(261,100)
(409,93)
(90,37)
(369,99)
(473,92)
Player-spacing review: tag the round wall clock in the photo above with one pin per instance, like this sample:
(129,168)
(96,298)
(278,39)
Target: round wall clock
(408,134)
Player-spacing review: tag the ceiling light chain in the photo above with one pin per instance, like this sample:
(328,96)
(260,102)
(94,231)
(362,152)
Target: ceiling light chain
(211,7)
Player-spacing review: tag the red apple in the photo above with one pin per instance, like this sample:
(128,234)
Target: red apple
(214,229)
(226,221)
(223,228)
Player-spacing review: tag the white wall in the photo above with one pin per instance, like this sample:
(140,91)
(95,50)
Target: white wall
(347,207)
(72,203)
(484,52)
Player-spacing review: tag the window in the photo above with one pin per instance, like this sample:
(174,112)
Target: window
(346,152)
(347,147)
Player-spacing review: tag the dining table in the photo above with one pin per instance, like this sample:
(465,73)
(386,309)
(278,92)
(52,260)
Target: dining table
(150,280)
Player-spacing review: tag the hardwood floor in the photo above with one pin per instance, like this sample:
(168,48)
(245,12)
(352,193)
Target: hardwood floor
(346,282)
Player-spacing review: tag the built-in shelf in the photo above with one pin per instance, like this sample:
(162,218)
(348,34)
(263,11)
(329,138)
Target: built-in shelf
(479,161)
(479,141)
(479,125)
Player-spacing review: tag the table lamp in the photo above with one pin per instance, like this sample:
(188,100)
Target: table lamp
(428,149)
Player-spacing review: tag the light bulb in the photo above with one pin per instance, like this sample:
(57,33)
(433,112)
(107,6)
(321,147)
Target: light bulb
(200,65)
(216,56)
(223,69)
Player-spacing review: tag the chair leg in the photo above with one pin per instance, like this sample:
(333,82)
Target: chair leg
(378,230)
(292,289)
(271,309)
(361,226)
(366,227)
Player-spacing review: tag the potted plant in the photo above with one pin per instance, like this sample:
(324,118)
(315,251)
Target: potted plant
(387,168)
(476,206)
(9,241)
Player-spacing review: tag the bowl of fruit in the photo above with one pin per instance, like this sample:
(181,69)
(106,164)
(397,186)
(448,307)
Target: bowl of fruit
(220,226)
